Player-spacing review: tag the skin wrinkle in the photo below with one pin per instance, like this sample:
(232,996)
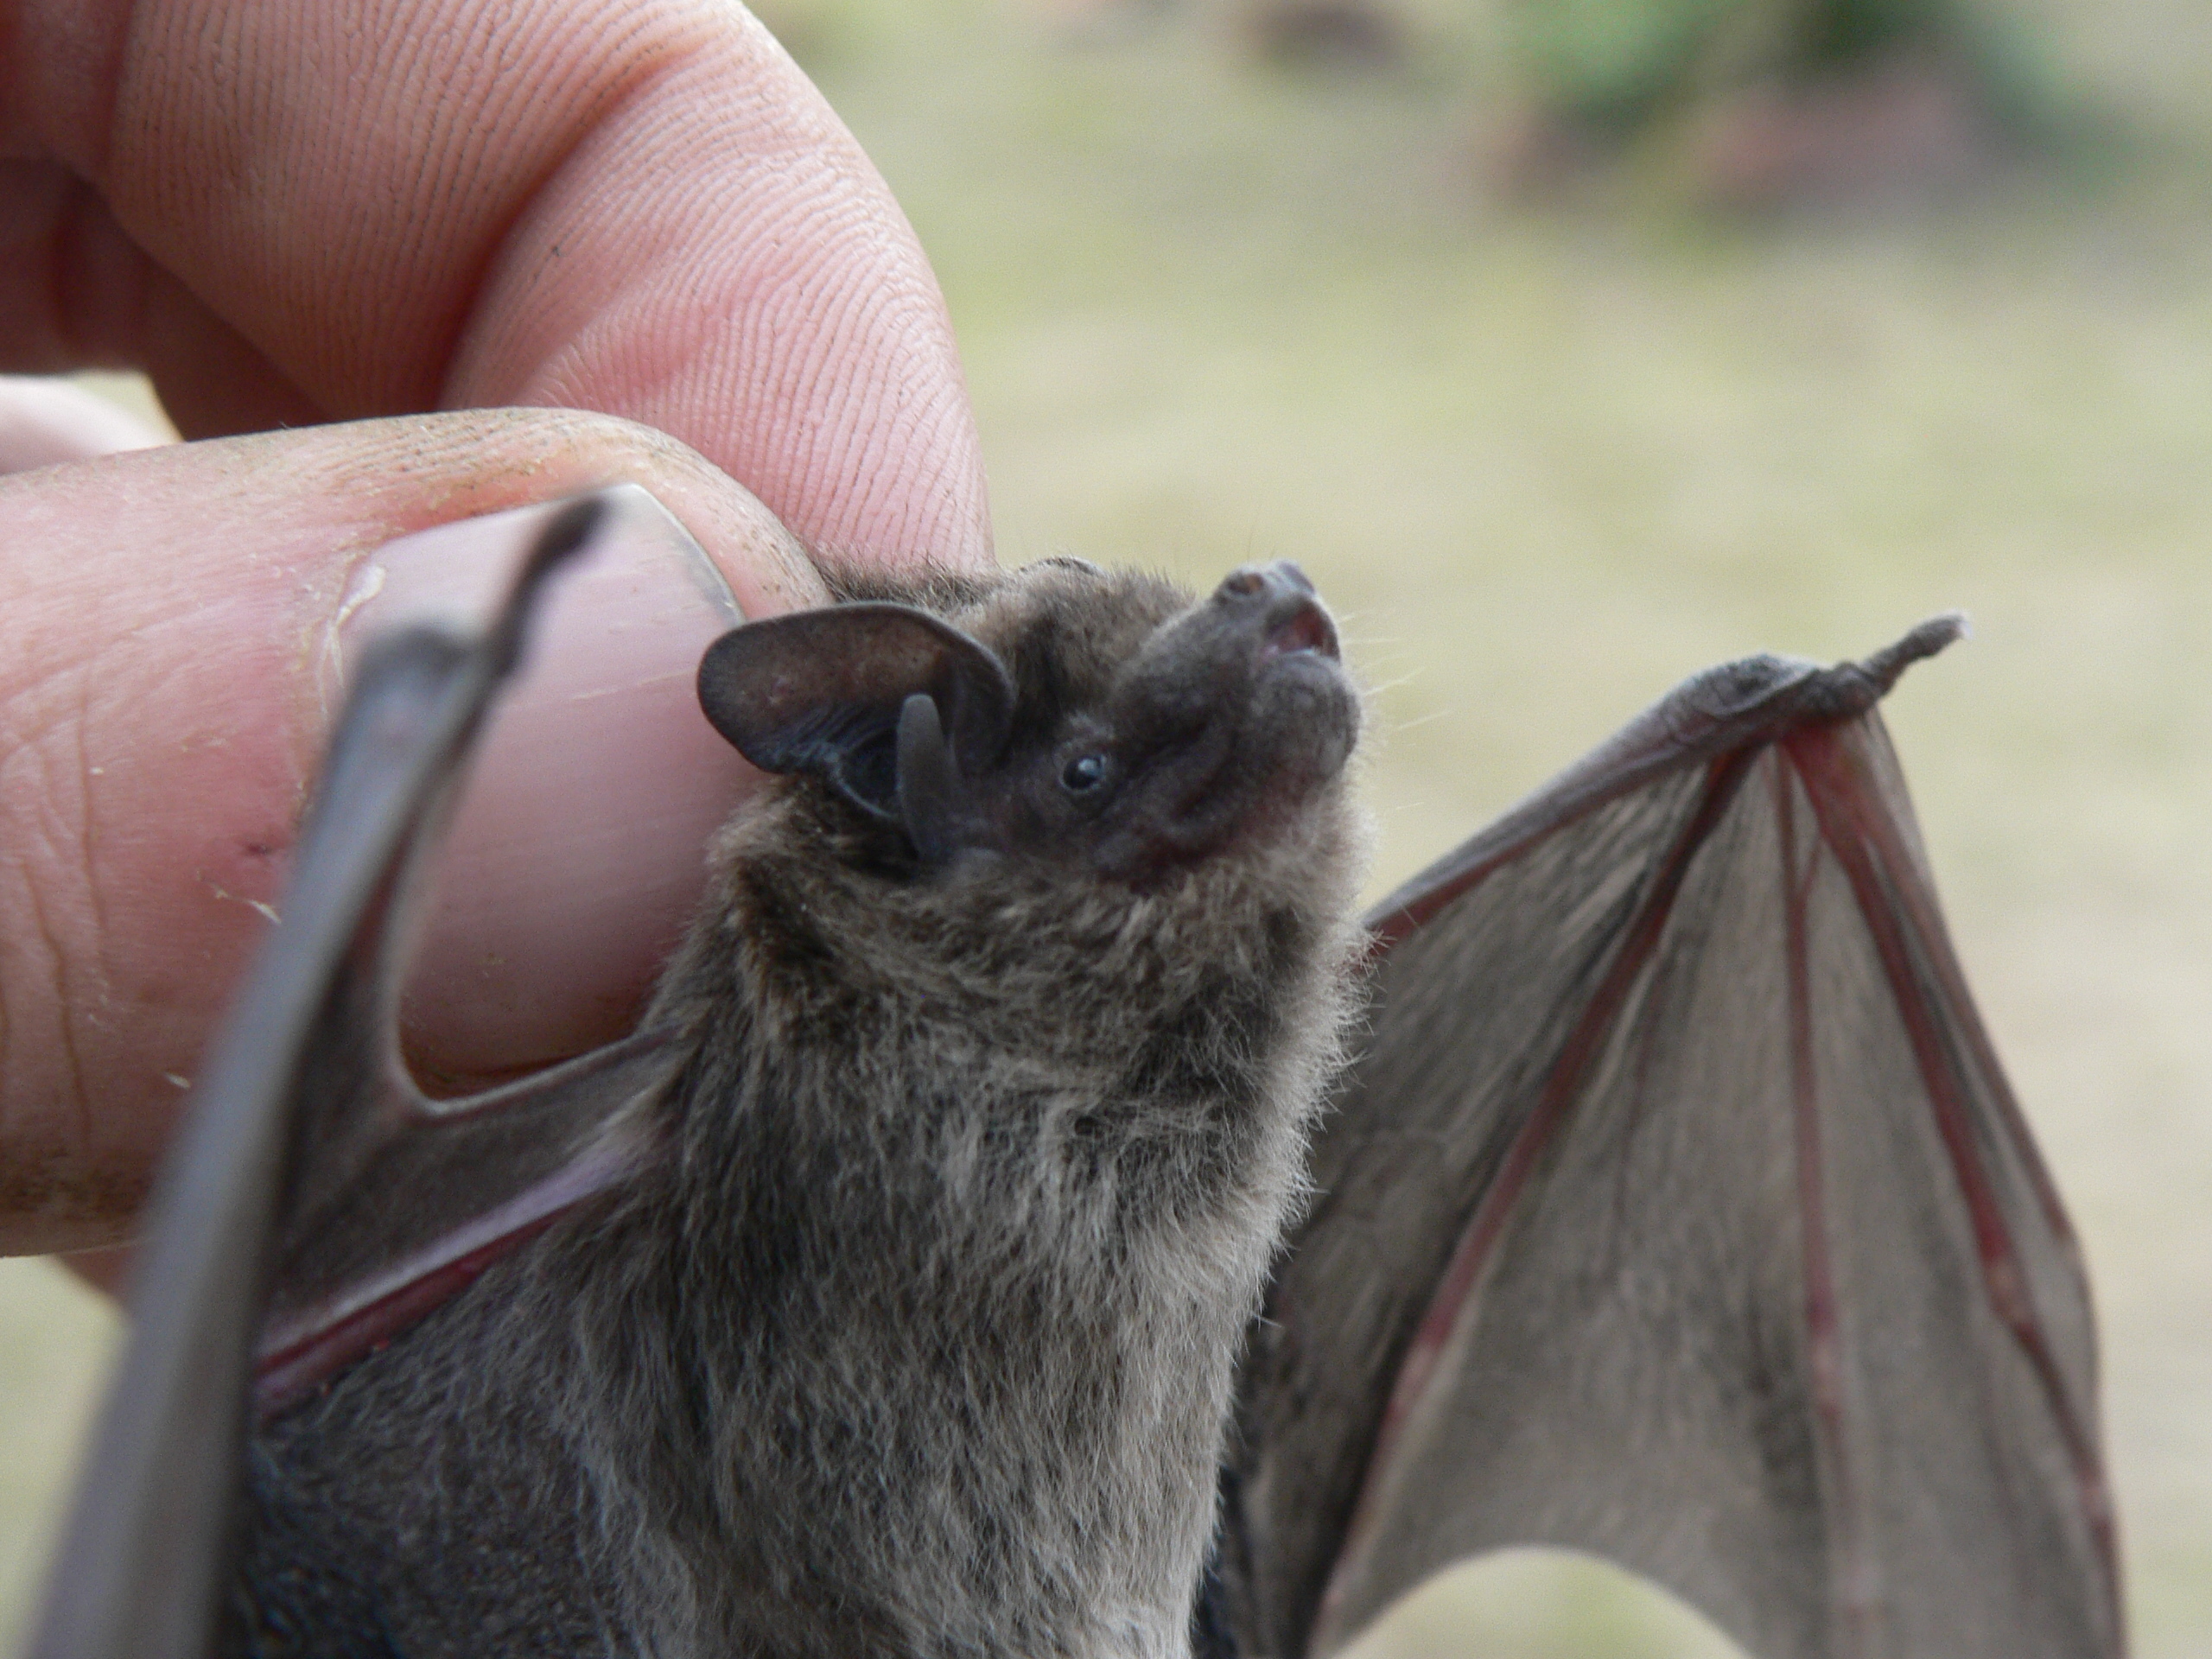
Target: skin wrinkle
(421,211)
(485,279)
(827,449)
(786,208)
(422,216)
(822,455)
(834,311)
(89,862)
(609,106)
(59,49)
(33,823)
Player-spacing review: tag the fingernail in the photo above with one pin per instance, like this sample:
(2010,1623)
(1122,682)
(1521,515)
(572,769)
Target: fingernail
(576,855)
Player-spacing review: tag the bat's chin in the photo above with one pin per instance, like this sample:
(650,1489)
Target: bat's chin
(1304,720)
(1304,728)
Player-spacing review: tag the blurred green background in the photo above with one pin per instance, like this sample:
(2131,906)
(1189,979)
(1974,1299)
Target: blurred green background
(1545,460)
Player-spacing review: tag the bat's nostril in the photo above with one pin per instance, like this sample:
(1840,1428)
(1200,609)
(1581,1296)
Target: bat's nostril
(1242,584)
(1252,581)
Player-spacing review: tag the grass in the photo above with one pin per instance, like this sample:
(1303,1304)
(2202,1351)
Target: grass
(1544,463)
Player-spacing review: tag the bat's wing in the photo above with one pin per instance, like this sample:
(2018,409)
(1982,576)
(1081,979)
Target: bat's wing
(308,1162)
(1678,1212)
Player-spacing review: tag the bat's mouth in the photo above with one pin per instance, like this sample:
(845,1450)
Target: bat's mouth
(1307,629)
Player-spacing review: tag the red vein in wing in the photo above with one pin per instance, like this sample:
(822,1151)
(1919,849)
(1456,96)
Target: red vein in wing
(1394,926)
(309,1349)
(1852,1576)
(1863,838)
(1399,919)
(1909,889)
(284,1379)
(1537,1131)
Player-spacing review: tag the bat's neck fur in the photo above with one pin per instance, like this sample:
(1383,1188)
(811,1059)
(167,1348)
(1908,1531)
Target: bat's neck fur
(980,1179)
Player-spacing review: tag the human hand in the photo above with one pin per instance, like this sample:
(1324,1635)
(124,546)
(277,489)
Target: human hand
(401,216)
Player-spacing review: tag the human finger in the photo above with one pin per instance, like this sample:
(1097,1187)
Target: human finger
(298,213)
(174,615)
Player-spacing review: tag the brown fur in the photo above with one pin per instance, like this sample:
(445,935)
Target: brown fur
(920,1340)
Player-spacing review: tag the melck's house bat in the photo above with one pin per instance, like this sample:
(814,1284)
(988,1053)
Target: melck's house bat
(915,1281)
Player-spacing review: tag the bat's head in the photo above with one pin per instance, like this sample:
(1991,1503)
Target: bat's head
(1102,724)
(1070,802)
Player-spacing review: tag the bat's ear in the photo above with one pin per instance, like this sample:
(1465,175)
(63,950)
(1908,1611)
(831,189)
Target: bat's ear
(825,692)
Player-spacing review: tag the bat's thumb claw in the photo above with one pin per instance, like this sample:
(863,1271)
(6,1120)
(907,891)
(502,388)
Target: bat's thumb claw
(564,537)
(1883,667)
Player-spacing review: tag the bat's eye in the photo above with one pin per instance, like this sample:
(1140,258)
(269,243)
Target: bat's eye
(1084,773)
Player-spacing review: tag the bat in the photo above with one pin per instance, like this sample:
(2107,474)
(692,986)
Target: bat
(1034,1217)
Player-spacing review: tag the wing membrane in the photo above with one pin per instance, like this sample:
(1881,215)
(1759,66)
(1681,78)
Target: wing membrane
(1678,1212)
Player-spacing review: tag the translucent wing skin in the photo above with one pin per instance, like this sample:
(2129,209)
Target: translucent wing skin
(1678,1212)
(448,1190)
(311,1164)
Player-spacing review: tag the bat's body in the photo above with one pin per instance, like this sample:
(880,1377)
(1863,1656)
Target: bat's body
(892,1292)
(919,1337)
